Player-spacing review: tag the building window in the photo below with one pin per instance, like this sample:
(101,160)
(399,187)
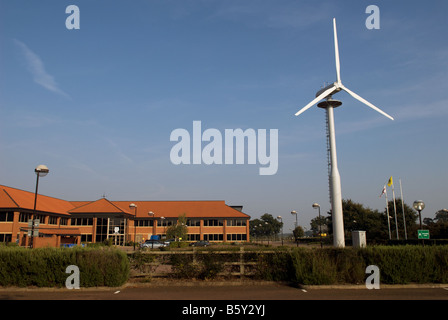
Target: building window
(144,223)
(236,222)
(82,222)
(52,220)
(24,217)
(193,237)
(213,223)
(7,216)
(86,238)
(237,237)
(5,237)
(193,222)
(41,218)
(116,222)
(101,229)
(105,229)
(166,222)
(63,221)
(213,237)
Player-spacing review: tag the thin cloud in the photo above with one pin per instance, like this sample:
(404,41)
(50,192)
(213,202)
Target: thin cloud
(37,69)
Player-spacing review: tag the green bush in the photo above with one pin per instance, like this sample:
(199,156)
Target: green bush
(277,266)
(397,265)
(210,265)
(45,267)
(203,266)
(183,266)
(313,267)
(407,264)
(179,244)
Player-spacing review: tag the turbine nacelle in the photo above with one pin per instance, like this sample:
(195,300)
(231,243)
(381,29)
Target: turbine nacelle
(334,85)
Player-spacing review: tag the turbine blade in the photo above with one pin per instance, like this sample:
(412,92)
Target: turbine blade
(354,95)
(323,95)
(336,52)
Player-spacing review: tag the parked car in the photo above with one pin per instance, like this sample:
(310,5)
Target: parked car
(152,244)
(201,243)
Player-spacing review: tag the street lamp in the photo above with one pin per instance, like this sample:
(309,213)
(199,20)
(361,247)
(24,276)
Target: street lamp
(294,212)
(419,205)
(41,171)
(316,205)
(281,220)
(164,226)
(152,214)
(133,205)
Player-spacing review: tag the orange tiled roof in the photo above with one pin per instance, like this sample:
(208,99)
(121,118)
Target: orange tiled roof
(99,206)
(172,209)
(16,198)
(6,201)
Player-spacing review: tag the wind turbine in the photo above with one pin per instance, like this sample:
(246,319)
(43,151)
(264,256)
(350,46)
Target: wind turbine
(329,104)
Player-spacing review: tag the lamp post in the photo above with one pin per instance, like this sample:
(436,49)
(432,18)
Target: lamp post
(152,214)
(41,171)
(133,205)
(294,212)
(316,205)
(281,220)
(164,226)
(419,205)
(263,231)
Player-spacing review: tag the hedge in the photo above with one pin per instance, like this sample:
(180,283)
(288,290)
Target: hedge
(45,267)
(110,267)
(397,265)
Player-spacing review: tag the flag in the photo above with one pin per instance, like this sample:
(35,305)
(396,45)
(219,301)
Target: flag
(384,191)
(390,182)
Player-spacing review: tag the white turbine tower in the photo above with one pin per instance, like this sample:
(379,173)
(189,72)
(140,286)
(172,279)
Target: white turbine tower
(334,177)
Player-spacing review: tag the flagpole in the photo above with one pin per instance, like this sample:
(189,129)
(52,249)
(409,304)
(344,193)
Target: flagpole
(402,209)
(395,211)
(387,212)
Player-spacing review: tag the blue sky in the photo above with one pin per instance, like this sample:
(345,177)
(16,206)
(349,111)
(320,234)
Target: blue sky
(97,105)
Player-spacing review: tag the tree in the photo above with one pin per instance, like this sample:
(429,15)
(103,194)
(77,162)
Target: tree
(179,230)
(266,226)
(298,232)
(318,224)
(441,216)
(357,217)
(439,230)
(438,227)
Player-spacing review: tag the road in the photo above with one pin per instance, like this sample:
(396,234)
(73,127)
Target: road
(269,301)
(271,291)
